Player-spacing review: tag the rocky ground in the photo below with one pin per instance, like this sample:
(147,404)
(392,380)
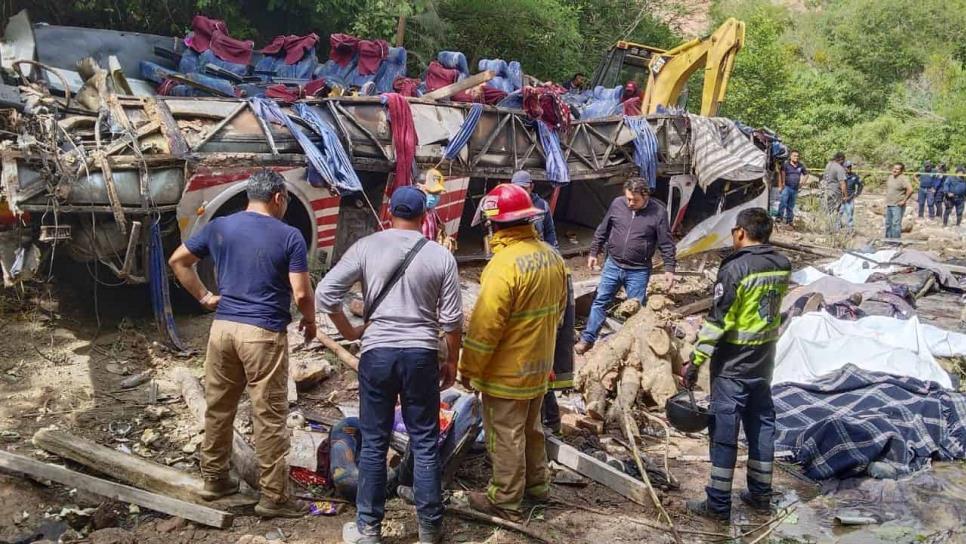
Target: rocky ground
(63,357)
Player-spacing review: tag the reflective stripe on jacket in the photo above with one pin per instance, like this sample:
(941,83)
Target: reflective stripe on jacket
(740,332)
(509,347)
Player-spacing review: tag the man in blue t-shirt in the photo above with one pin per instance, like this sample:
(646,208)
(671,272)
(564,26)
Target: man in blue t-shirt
(260,261)
(789,180)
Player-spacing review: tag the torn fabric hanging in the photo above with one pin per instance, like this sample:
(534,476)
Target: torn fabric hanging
(160,295)
(462,137)
(722,151)
(404,140)
(555,163)
(645,148)
(335,167)
(272,113)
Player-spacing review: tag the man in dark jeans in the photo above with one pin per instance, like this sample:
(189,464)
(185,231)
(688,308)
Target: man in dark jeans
(789,180)
(634,227)
(399,357)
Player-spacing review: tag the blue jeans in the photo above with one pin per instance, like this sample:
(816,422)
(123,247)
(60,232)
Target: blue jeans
(957,204)
(893,221)
(736,402)
(927,200)
(848,214)
(412,375)
(612,278)
(786,207)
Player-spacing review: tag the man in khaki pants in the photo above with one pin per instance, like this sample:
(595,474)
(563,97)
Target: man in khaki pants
(261,261)
(508,352)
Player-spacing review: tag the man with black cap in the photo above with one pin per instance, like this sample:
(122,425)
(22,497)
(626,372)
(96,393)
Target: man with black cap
(853,188)
(411,291)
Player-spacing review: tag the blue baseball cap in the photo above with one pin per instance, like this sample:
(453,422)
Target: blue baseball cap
(407,203)
(521,177)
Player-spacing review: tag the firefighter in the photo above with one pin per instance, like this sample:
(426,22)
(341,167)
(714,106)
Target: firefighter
(509,350)
(739,337)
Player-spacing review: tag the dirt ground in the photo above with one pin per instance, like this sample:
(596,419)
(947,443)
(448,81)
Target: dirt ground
(63,355)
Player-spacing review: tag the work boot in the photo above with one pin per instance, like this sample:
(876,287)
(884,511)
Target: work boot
(218,488)
(700,508)
(756,502)
(352,535)
(552,426)
(583,347)
(481,503)
(430,534)
(291,508)
(405,493)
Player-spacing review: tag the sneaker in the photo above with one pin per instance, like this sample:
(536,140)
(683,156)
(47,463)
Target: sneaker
(430,534)
(291,508)
(756,502)
(221,487)
(700,508)
(583,347)
(352,535)
(481,503)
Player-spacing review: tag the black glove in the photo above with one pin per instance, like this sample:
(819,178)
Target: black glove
(689,373)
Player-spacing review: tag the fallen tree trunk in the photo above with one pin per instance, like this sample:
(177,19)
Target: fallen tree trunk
(242,454)
(111,490)
(131,469)
(343,354)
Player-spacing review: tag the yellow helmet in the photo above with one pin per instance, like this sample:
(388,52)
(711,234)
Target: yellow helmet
(433,182)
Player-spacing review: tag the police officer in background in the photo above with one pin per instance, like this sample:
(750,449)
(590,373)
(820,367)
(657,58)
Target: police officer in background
(739,337)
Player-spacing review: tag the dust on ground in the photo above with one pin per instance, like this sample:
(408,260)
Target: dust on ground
(63,356)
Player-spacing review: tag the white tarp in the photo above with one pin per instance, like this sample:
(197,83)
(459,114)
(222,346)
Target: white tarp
(715,232)
(850,267)
(816,343)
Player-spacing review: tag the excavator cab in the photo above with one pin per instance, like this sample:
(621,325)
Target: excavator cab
(664,74)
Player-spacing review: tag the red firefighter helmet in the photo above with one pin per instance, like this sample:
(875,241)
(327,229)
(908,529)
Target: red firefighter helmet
(506,203)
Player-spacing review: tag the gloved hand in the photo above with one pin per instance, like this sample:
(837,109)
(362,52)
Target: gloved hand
(689,374)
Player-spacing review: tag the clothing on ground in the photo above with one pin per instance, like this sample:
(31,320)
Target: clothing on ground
(253,254)
(516,444)
(425,299)
(631,237)
(847,419)
(509,347)
(244,356)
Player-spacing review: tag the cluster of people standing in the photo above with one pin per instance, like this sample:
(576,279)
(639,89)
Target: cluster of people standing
(940,194)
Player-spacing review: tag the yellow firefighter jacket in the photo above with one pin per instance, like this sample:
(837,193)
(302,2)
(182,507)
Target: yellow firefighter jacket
(509,348)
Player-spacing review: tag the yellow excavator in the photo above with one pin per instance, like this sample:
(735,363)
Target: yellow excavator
(668,71)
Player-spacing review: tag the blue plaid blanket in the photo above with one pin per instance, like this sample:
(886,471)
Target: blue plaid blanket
(849,418)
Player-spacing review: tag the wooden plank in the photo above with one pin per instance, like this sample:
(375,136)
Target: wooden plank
(695,307)
(597,471)
(460,86)
(158,109)
(221,124)
(112,195)
(343,354)
(131,469)
(242,454)
(111,490)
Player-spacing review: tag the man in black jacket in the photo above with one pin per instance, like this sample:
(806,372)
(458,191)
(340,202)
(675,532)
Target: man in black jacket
(739,337)
(633,228)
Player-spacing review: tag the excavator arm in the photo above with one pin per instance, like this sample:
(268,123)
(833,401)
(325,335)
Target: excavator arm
(668,74)
(668,71)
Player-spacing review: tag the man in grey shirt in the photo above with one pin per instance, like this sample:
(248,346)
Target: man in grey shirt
(835,187)
(400,342)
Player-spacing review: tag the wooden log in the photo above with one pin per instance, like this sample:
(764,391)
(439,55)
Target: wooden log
(695,307)
(600,472)
(343,354)
(131,469)
(460,86)
(159,503)
(242,454)
(470,514)
(659,341)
